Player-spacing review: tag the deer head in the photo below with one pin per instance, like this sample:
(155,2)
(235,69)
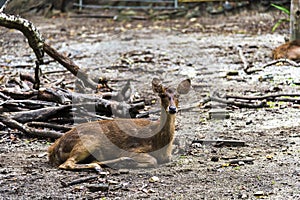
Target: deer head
(168,95)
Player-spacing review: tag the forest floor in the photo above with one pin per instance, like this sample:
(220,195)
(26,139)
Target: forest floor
(203,49)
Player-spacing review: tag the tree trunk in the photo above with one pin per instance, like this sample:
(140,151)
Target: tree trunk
(295,20)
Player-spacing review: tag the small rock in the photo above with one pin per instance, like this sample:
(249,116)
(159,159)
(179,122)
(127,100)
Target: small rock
(249,121)
(296,82)
(79,188)
(193,19)
(3,171)
(241,163)
(215,159)
(259,193)
(243,196)
(112,182)
(41,155)
(269,157)
(232,73)
(145,190)
(227,6)
(103,174)
(153,179)
(196,145)
(151,191)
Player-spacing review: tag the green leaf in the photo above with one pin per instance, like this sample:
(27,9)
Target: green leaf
(277,24)
(283,9)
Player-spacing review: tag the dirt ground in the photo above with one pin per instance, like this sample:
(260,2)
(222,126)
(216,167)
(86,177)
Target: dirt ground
(203,49)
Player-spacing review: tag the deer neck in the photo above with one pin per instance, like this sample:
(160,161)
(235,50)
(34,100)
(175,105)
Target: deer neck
(167,121)
(166,128)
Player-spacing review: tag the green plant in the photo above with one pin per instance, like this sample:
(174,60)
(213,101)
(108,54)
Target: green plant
(280,21)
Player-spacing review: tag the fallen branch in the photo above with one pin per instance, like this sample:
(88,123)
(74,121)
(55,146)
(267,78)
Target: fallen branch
(78,181)
(51,95)
(243,58)
(3,96)
(264,97)
(220,142)
(14,94)
(239,101)
(282,60)
(13,124)
(27,103)
(250,70)
(57,127)
(50,98)
(42,114)
(238,104)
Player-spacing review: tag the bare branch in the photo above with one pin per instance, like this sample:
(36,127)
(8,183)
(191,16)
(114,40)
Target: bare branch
(35,39)
(266,97)
(4,5)
(70,65)
(284,60)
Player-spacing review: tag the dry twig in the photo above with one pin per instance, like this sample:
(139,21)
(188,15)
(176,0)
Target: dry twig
(282,60)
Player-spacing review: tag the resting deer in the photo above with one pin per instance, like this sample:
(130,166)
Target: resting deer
(289,50)
(140,141)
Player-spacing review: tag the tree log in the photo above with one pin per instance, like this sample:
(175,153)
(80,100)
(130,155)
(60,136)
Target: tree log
(57,127)
(13,124)
(42,114)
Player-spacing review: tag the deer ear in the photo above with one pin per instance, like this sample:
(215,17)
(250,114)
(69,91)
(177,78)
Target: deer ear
(184,87)
(157,86)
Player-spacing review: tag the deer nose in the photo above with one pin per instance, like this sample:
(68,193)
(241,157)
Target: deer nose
(172,109)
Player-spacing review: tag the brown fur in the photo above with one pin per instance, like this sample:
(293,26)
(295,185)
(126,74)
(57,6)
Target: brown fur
(289,50)
(111,141)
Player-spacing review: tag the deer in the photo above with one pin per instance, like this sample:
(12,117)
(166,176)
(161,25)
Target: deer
(139,143)
(289,50)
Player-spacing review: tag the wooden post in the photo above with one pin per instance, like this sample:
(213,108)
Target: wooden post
(295,20)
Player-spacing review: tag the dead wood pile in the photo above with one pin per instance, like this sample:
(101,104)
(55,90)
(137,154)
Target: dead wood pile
(47,110)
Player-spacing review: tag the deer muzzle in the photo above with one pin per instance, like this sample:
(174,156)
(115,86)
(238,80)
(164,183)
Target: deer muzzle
(172,109)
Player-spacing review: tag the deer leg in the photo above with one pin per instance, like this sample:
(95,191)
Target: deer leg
(144,160)
(163,155)
(122,162)
(79,153)
(71,165)
(135,160)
